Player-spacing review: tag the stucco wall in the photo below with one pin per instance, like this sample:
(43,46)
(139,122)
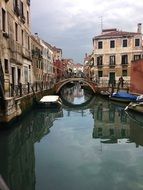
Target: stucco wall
(137,77)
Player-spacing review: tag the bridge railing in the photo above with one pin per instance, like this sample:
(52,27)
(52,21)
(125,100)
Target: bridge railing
(106,83)
(24,89)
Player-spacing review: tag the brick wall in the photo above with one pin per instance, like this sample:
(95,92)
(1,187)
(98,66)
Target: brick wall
(137,77)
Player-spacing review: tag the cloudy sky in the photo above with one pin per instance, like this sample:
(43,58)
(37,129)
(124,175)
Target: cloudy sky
(71,24)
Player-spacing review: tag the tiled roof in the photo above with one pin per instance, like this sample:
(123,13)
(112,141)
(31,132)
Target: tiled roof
(115,34)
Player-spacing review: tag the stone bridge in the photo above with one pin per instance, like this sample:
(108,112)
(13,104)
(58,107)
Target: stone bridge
(63,82)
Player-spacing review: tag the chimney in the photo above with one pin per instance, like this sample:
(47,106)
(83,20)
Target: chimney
(139,28)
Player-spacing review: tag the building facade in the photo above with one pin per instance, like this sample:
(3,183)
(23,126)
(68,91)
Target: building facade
(15,44)
(37,59)
(89,69)
(49,76)
(58,65)
(113,52)
(137,77)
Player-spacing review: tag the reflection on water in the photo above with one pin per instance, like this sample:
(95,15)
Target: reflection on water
(17,148)
(75,95)
(93,147)
(111,122)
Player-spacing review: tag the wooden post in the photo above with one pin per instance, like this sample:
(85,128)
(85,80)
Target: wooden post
(20,89)
(28,87)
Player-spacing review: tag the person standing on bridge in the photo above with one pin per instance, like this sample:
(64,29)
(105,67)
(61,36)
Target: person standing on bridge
(121,81)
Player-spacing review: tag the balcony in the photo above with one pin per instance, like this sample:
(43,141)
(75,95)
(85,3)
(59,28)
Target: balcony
(28,2)
(17,10)
(124,65)
(99,66)
(23,19)
(112,66)
(37,54)
(26,53)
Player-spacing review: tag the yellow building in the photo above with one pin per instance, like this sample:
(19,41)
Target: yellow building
(113,52)
(15,44)
(37,59)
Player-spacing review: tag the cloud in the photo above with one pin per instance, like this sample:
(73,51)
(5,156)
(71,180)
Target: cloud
(71,24)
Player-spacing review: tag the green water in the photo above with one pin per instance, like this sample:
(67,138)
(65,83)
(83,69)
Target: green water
(83,148)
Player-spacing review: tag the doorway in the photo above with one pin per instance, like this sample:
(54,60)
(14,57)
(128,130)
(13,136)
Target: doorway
(112,78)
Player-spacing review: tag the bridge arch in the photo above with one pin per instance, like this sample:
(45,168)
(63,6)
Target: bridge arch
(91,84)
(85,105)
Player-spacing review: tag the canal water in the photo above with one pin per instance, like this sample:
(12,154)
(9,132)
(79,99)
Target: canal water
(95,145)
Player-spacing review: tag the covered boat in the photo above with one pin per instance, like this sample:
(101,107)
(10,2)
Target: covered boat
(50,101)
(135,106)
(135,112)
(123,97)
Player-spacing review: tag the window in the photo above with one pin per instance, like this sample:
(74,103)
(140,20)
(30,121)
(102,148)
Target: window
(21,9)
(27,17)
(125,43)
(100,44)
(112,44)
(15,3)
(99,60)
(124,59)
(28,42)
(26,74)
(16,31)
(22,37)
(124,73)
(6,66)
(3,20)
(112,60)
(16,7)
(100,73)
(137,57)
(137,42)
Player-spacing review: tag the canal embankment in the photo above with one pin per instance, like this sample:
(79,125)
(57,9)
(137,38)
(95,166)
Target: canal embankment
(15,107)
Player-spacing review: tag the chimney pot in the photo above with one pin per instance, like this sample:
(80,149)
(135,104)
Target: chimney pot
(139,28)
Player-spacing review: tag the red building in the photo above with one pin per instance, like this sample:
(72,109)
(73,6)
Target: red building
(136,85)
(57,61)
(58,69)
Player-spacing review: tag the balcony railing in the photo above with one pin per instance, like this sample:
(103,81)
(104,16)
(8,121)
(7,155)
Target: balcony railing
(25,89)
(36,54)
(99,65)
(17,10)
(26,53)
(23,19)
(112,65)
(124,64)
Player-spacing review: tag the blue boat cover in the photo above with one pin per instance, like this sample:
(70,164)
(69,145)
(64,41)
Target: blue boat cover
(124,95)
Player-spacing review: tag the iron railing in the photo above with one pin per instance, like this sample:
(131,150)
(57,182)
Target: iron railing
(25,89)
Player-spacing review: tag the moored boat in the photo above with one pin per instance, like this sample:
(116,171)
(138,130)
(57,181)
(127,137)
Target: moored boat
(123,97)
(135,116)
(105,93)
(50,101)
(135,106)
(135,111)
